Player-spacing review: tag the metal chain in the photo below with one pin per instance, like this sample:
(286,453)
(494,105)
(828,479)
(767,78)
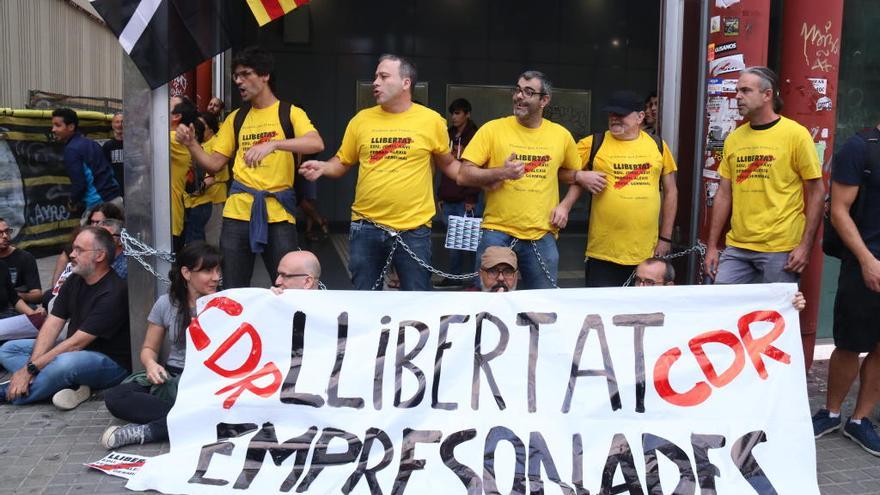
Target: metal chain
(137,250)
(381,280)
(543,266)
(699,248)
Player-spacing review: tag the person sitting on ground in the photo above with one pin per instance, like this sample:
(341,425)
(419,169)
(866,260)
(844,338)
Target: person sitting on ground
(498,269)
(97,350)
(111,222)
(298,270)
(22,266)
(658,271)
(17,319)
(145,398)
(62,264)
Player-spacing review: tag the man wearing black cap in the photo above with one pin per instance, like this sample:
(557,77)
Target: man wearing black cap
(498,269)
(521,159)
(631,176)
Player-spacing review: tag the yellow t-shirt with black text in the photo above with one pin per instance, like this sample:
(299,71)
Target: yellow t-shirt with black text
(216,192)
(521,208)
(625,216)
(767,169)
(274,173)
(394,150)
(180,163)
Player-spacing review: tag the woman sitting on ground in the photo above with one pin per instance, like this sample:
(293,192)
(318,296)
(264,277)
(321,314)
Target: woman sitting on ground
(145,398)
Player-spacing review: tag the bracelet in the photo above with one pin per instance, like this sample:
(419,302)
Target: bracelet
(664,239)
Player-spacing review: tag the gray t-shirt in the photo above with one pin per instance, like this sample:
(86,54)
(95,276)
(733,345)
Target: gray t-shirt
(164,314)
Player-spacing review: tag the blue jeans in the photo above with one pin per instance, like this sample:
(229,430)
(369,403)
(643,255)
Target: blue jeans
(67,370)
(533,276)
(194,221)
(369,247)
(458,259)
(238,260)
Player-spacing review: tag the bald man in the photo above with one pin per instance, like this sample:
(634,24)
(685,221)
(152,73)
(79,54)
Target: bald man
(297,270)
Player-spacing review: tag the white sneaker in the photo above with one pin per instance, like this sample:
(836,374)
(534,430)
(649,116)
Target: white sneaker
(69,398)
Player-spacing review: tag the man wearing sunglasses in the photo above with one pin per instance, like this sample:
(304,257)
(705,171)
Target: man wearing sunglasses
(520,160)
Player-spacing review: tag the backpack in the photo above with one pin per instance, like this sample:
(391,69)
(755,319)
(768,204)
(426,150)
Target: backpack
(832,244)
(283,118)
(599,138)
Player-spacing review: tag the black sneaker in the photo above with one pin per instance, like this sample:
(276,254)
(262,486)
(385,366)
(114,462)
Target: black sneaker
(864,435)
(132,433)
(824,424)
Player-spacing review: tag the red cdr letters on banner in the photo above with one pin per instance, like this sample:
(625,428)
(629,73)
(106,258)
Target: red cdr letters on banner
(201,341)
(755,348)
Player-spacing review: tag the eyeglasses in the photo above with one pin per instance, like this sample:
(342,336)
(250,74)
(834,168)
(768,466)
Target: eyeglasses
(526,92)
(7,232)
(78,250)
(242,74)
(495,271)
(107,222)
(646,282)
(286,276)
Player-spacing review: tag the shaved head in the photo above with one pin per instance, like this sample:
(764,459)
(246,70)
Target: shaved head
(298,270)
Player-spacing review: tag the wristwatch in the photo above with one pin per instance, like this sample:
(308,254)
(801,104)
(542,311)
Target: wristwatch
(32,369)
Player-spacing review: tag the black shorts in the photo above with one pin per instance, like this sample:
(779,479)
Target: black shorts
(856,310)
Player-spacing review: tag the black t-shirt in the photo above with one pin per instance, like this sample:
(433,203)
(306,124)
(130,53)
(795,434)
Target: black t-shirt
(8,294)
(113,151)
(101,310)
(23,270)
(848,168)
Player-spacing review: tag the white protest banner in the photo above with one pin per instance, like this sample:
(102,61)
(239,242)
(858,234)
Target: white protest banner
(573,391)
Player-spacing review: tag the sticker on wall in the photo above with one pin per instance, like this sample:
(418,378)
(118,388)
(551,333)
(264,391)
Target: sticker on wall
(724,65)
(728,85)
(731,26)
(824,133)
(711,174)
(715,24)
(710,52)
(715,104)
(723,4)
(819,84)
(823,104)
(724,47)
(715,86)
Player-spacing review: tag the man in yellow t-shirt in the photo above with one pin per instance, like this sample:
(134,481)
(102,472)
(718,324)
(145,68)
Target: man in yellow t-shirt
(766,165)
(631,218)
(520,160)
(258,216)
(394,142)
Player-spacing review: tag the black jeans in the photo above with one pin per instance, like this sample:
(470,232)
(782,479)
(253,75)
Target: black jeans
(601,273)
(238,260)
(134,403)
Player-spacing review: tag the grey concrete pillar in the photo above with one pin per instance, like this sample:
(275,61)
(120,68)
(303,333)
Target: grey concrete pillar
(147,193)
